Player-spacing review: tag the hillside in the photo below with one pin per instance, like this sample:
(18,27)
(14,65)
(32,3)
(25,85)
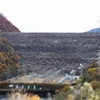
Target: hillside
(43,51)
(95,30)
(8,58)
(6,25)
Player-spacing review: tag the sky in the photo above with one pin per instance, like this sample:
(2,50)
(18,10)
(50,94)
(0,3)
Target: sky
(52,15)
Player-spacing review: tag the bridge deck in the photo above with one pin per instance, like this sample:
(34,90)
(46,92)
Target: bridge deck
(31,86)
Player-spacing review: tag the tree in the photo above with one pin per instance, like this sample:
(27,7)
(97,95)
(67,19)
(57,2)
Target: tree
(4,39)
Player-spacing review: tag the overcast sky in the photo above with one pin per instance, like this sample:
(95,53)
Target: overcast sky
(52,15)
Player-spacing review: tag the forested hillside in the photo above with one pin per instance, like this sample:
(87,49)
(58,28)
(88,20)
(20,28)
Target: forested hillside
(6,25)
(8,57)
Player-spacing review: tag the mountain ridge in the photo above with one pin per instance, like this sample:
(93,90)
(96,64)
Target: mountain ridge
(95,30)
(6,25)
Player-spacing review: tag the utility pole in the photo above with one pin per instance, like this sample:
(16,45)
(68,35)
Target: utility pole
(99,60)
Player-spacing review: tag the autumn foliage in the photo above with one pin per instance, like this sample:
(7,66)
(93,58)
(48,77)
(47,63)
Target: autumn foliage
(7,26)
(66,88)
(3,39)
(92,75)
(8,58)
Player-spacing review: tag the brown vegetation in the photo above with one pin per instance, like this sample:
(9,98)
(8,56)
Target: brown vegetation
(7,26)
(8,58)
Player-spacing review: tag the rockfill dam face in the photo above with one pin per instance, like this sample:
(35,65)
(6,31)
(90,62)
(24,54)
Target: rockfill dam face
(41,52)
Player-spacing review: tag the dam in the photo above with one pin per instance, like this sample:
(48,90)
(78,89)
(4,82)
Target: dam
(54,50)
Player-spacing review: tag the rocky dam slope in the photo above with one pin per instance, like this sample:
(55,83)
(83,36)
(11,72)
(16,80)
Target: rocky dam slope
(54,50)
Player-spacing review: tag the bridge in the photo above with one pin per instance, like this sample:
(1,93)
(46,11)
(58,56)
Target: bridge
(36,88)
